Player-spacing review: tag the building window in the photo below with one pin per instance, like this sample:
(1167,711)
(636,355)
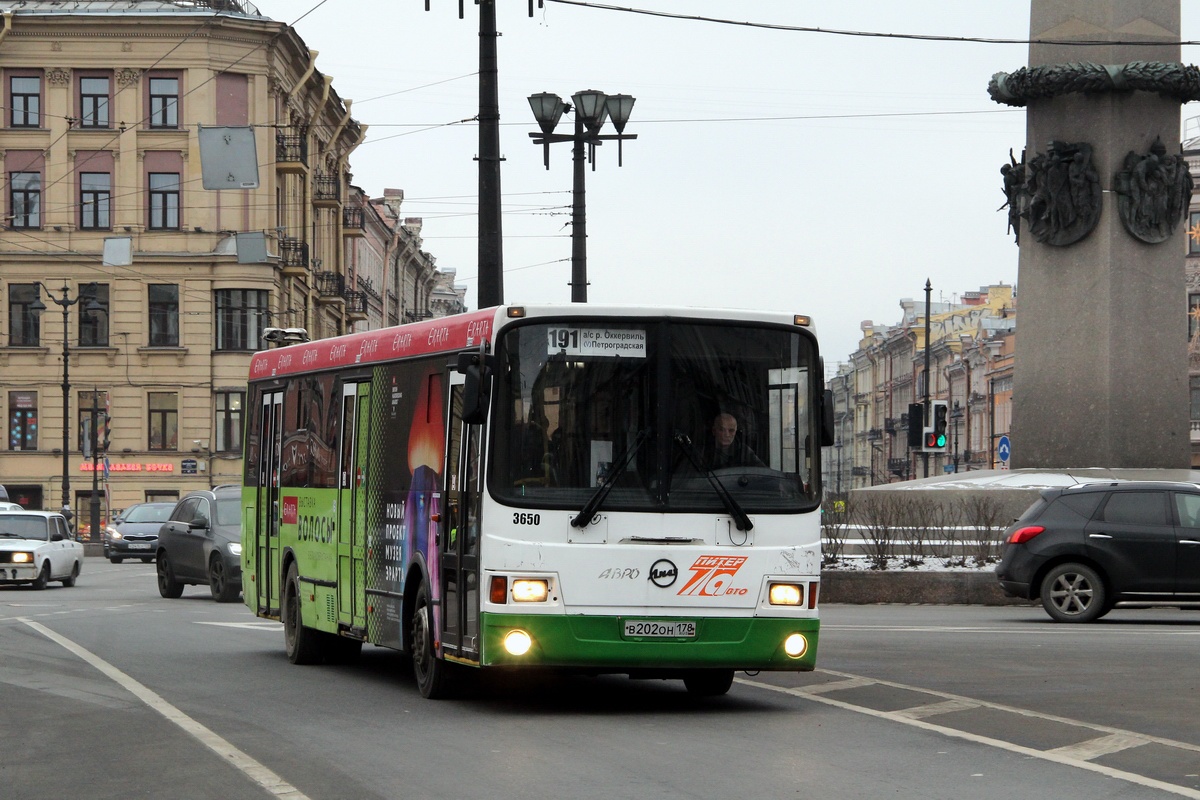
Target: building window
(1193,238)
(164,102)
(1194,383)
(93,103)
(164,200)
(22,421)
(229,422)
(95,198)
(93,322)
(26,109)
(164,421)
(24,327)
(25,196)
(88,401)
(164,315)
(241,317)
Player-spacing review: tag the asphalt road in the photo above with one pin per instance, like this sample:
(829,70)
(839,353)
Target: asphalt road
(109,691)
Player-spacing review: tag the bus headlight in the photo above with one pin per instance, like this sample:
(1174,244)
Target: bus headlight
(795,645)
(517,642)
(527,590)
(786,594)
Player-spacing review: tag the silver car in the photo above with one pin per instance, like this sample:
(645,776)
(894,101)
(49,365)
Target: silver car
(134,532)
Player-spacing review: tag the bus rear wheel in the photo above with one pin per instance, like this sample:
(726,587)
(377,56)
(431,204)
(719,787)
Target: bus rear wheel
(303,644)
(432,674)
(708,682)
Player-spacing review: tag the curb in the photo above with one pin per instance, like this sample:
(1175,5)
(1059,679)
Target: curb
(934,588)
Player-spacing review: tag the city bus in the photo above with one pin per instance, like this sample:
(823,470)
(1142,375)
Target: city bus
(532,486)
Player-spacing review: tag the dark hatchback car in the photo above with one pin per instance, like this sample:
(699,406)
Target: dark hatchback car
(201,544)
(1084,549)
(134,532)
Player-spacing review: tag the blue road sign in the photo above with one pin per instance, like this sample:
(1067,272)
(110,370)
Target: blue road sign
(1003,449)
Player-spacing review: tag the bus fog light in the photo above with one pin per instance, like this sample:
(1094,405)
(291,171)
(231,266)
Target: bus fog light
(785,594)
(517,642)
(795,645)
(529,591)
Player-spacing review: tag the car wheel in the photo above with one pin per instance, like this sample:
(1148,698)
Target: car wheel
(1074,593)
(115,560)
(70,581)
(147,560)
(168,587)
(223,590)
(303,644)
(432,674)
(43,577)
(708,682)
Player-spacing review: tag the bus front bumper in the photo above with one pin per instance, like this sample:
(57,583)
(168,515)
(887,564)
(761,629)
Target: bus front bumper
(601,643)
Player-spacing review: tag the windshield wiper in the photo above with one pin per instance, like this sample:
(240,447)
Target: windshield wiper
(584,517)
(740,519)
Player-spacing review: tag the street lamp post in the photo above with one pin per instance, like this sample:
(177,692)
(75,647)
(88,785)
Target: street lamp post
(65,303)
(592,109)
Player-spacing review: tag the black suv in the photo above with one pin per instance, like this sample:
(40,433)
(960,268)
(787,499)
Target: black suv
(1084,549)
(202,544)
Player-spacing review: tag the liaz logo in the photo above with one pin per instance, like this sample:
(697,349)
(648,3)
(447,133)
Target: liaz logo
(712,576)
(291,510)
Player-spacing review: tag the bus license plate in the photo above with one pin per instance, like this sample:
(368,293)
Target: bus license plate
(660,628)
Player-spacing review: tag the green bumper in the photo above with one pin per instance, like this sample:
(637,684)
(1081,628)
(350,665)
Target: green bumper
(584,642)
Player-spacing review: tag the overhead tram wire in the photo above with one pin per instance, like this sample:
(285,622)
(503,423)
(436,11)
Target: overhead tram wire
(920,37)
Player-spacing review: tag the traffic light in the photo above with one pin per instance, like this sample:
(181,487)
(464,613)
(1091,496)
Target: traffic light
(936,438)
(916,425)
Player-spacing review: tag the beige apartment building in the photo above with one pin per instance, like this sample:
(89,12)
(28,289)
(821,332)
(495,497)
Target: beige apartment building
(133,289)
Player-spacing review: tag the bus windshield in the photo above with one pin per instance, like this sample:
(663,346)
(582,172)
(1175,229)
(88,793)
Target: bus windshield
(657,410)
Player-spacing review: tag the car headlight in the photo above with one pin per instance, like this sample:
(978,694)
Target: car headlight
(235,548)
(112,533)
(22,558)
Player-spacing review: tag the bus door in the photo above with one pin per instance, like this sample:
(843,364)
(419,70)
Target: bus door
(460,532)
(266,528)
(352,497)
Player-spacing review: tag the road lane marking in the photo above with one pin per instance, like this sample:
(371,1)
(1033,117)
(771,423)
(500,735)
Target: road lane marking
(1047,627)
(934,709)
(1056,756)
(252,769)
(1103,746)
(835,686)
(271,627)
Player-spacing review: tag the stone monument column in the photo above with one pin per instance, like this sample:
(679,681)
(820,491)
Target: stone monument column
(1100,376)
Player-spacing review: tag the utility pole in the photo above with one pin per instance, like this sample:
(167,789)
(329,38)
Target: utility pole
(928,292)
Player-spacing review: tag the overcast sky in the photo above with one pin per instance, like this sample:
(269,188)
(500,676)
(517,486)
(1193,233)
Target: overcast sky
(814,173)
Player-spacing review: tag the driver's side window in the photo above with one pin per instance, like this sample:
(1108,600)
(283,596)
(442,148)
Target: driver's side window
(185,511)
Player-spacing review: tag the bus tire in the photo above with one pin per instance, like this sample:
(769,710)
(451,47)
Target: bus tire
(708,682)
(303,644)
(432,674)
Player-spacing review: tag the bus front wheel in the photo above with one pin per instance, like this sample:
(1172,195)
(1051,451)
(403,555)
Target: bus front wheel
(303,645)
(432,674)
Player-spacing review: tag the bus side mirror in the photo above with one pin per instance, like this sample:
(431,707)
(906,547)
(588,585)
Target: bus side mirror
(827,437)
(477,389)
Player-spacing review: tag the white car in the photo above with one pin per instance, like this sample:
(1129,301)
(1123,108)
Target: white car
(37,547)
(11,507)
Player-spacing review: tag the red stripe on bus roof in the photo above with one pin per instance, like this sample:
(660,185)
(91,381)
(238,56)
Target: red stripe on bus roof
(441,335)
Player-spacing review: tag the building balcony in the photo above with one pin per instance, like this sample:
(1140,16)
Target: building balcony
(291,152)
(326,190)
(874,435)
(353,221)
(356,306)
(331,289)
(293,257)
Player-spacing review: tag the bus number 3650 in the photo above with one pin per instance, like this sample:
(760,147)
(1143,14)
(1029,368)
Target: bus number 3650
(526,519)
